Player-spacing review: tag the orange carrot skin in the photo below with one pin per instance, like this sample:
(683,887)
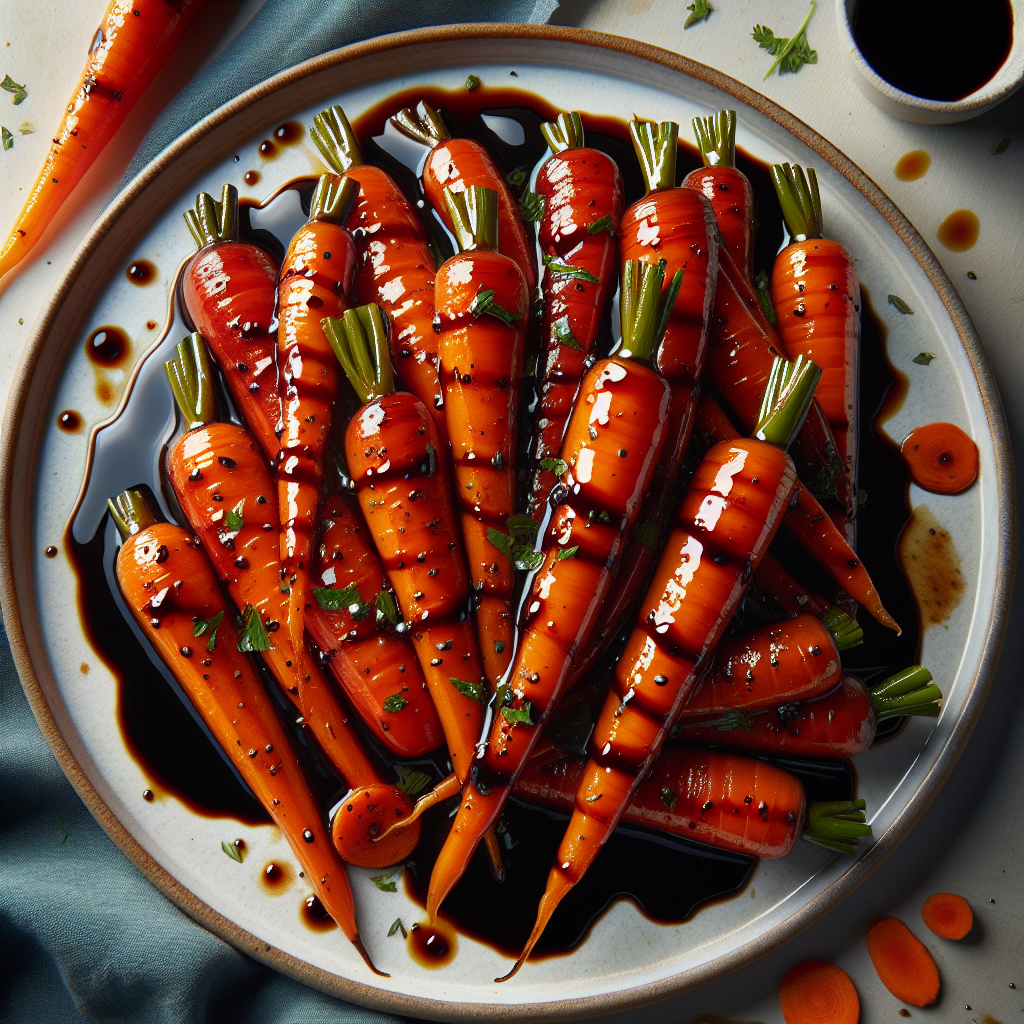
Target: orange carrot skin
(406,497)
(732,198)
(840,724)
(787,661)
(395,269)
(370,664)
(904,965)
(817,301)
(138,38)
(724,800)
(580,188)
(230,292)
(480,362)
(459,164)
(773,581)
(167,583)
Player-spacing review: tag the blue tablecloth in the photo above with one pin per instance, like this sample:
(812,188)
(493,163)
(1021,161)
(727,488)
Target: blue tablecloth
(84,936)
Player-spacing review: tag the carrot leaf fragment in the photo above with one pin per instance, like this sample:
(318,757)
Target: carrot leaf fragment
(387,883)
(522,527)
(387,608)
(231,850)
(516,177)
(564,335)
(398,926)
(411,782)
(395,703)
(790,54)
(699,9)
(8,138)
(253,639)
(201,626)
(521,714)
(333,599)
(901,306)
(764,297)
(556,266)
(557,466)
(10,85)
(234,519)
(484,303)
(531,206)
(923,358)
(474,691)
(565,553)
(601,224)
(1001,146)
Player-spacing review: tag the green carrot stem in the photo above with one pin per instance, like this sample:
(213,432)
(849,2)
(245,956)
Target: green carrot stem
(211,221)
(789,46)
(787,399)
(716,138)
(335,139)
(131,513)
(474,215)
(333,199)
(799,199)
(360,341)
(656,147)
(910,692)
(565,132)
(837,824)
(423,124)
(845,631)
(643,309)
(191,379)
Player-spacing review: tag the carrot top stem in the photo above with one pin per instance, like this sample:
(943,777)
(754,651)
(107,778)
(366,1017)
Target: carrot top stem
(716,138)
(643,309)
(474,215)
(910,692)
(656,147)
(335,139)
(333,199)
(191,379)
(423,124)
(787,398)
(799,199)
(845,631)
(211,221)
(837,824)
(565,132)
(351,336)
(131,513)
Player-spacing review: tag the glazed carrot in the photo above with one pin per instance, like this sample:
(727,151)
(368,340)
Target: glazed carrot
(171,590)
(224,487)
(816,992)
(724,800)
(582,190)
(839,724)
(229,289)
(816,297)
(316,277)
(728,517)
(482,305)
(727,188)
(904,965)
(611,448)
(808,522)
(941,458)
(947,915)
(133,43)
(459,164)
(775,586)
(394,267)
(376,667)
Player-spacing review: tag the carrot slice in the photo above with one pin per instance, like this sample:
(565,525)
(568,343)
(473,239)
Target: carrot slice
(941,458)
(817,992)
(904,965)
(948,915)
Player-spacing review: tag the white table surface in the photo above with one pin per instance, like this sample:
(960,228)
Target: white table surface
(971,841)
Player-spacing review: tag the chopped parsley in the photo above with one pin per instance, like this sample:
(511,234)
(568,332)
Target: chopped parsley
(253,639)
(601,224)
(564,335)
(484,303)
(699,10)
(901,306)
(790,54)
(19,91)
(395,703)
(557,466)
(565,553)
(923,358)
(231,850)
(411,782)
(398,926)
(387,883)
(234,520)
(474,691)
(531,206)
(201,626)
(333,599)
(514,715)
(556,266)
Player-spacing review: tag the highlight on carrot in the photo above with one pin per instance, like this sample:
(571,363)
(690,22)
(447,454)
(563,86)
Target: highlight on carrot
(948,915)
(904,965)
(818,992)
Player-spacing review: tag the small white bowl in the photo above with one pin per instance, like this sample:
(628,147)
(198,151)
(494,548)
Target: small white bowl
(1006,81)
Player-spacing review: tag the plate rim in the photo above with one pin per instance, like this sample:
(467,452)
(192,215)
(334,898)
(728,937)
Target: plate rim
(572,1008)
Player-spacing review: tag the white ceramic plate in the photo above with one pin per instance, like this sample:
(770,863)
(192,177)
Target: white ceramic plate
(627,960)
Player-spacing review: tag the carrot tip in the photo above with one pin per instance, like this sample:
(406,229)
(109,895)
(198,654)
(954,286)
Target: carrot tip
(358,943)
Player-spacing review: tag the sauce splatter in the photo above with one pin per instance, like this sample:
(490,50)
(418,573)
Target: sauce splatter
(147,795)
(315,916)
(69,421)
(107,346)
(50,552)
(941,458)
(267,149)
(932,566)
(912,165)
(959,231)
(275,878)
(140,272)
(432,945)
(252,177)
(289,133)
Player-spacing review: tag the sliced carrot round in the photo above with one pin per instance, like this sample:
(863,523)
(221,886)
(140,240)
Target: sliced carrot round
(904,965)
(941,458)
(948,915)
(817,992)
(363,816)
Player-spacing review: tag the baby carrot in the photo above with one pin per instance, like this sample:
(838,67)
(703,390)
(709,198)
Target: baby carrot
(772,583)
(171,589)
(133,43)
(904,965)
(816,992)
(948,915)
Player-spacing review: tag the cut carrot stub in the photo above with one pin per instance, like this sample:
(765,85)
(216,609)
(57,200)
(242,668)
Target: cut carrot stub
(941,458)
(904,965)
(817,992)
(948,915)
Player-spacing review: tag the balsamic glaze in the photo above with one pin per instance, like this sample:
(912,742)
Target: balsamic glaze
(108,346)
(140,272)
(69,421)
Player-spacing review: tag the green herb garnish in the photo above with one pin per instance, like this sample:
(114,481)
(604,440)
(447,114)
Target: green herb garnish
(234,520)
(531,206)
(699,9)
(764,297)
(484,303)
(474,691)
(790,54)
(411,782)
(395,703)
(253,639)
(200,626)
(556,266)
(522,526)
(557,466)
(564,335)
(564,553)
(231,850)
(517,177)
(1001,146)
(26,128)
(333,599)
(398,926)
(472,82)
(19,91)
(514,715)
(923,358)
(601,224)
(387,883)
(387,608)
(901,306)
(8,138)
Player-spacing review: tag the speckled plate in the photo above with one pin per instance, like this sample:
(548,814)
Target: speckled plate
(627,960)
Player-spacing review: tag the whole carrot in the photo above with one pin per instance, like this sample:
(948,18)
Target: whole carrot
(482,304)
(133,43)
(171,589)
(728,517)
(459,164)
(316,277)
(224,487)
(229,289)
(610,453)
(394,267)
(582,190)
